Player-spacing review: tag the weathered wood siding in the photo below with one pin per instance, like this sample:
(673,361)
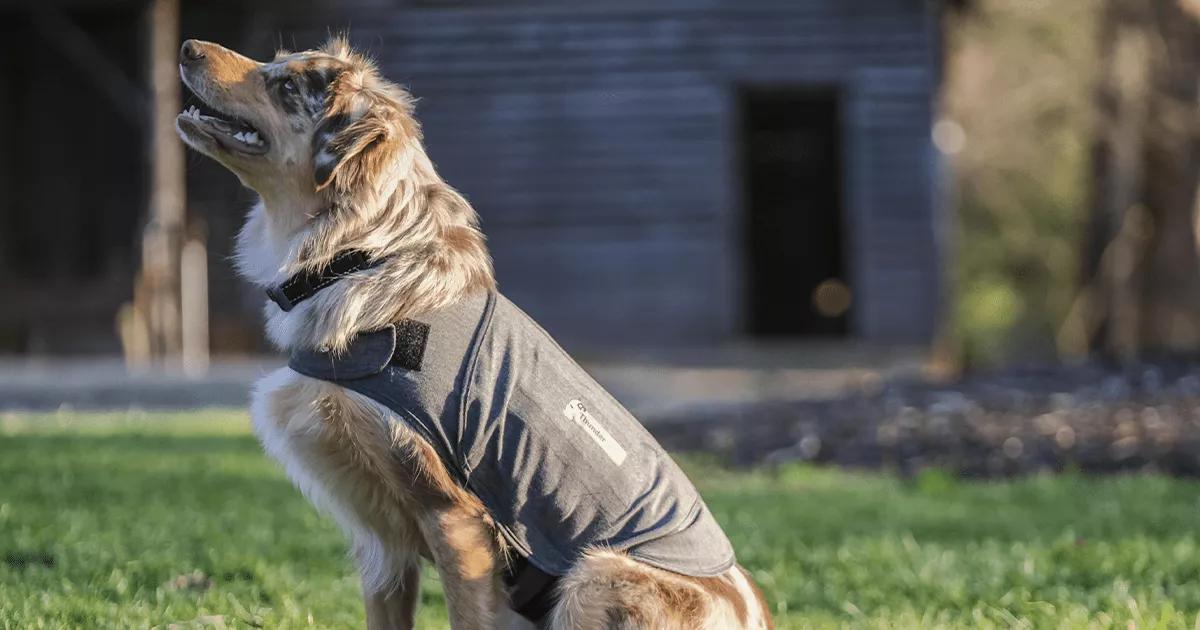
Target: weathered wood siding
(600,145)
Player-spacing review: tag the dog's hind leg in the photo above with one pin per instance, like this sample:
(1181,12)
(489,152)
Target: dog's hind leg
(609,591)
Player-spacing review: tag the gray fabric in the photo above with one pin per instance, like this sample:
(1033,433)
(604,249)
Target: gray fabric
(558,462)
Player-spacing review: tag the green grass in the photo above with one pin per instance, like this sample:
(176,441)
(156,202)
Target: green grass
(111,521)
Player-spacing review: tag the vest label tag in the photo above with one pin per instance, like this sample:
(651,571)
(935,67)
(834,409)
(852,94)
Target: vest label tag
(577,411)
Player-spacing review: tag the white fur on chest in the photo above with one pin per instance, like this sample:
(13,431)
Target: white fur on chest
(263,250)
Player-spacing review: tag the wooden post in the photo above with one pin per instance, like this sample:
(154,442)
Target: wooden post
(162,240)
(193,285)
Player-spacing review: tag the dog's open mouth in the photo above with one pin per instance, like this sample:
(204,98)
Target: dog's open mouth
(227,131)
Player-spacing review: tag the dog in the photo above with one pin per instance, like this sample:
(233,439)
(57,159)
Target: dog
(380,282)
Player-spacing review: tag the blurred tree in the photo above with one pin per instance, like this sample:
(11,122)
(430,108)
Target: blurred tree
(1017,111)
(1140,270)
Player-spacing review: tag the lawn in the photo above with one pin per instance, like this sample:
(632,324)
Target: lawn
(120,521)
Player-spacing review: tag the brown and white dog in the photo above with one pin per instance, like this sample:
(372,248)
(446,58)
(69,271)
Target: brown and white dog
(336,156)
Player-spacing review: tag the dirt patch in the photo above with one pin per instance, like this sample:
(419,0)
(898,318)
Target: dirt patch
(1092,417)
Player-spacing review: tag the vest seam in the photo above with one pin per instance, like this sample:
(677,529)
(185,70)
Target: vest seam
(485,325)
(525,551)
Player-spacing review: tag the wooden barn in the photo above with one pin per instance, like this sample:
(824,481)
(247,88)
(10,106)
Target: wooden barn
(668,172)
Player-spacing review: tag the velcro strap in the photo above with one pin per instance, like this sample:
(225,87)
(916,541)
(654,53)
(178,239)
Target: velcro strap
(368,354)
(401,345)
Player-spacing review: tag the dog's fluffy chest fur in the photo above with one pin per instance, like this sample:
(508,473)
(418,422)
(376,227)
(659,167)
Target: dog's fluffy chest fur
(306,424)
(337,446)
(264,248)
(310,428)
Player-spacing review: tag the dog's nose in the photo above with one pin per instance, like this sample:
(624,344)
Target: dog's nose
(191,52)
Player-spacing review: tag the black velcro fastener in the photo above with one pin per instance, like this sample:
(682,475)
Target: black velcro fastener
(305,284)
(411,337)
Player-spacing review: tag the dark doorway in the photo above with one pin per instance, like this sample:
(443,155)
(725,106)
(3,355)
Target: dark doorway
(796,278)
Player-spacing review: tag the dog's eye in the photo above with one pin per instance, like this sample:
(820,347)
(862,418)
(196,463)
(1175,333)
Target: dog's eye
(289,87)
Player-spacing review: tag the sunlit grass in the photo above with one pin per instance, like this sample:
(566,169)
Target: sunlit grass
(112,521)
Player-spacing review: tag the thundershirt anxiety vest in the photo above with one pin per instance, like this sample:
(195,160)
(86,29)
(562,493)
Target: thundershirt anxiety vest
(560,465)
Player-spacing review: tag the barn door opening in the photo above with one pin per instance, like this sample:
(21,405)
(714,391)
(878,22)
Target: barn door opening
(795,260)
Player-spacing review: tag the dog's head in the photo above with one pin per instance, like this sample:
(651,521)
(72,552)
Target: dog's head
(303,123)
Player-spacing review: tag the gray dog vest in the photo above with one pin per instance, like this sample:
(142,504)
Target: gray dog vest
(560,465)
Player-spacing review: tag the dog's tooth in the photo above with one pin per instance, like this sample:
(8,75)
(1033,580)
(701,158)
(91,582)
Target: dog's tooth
(252,137)
(240,136)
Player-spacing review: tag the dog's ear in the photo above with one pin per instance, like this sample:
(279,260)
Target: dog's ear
(328,150)
(362,134)
(348,153)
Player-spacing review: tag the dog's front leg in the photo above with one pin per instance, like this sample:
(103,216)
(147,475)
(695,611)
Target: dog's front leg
(465,553)
(394,609)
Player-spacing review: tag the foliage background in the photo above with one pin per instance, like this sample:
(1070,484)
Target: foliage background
(1019,82)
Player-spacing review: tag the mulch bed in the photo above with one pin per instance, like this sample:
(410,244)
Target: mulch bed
(1087,417)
